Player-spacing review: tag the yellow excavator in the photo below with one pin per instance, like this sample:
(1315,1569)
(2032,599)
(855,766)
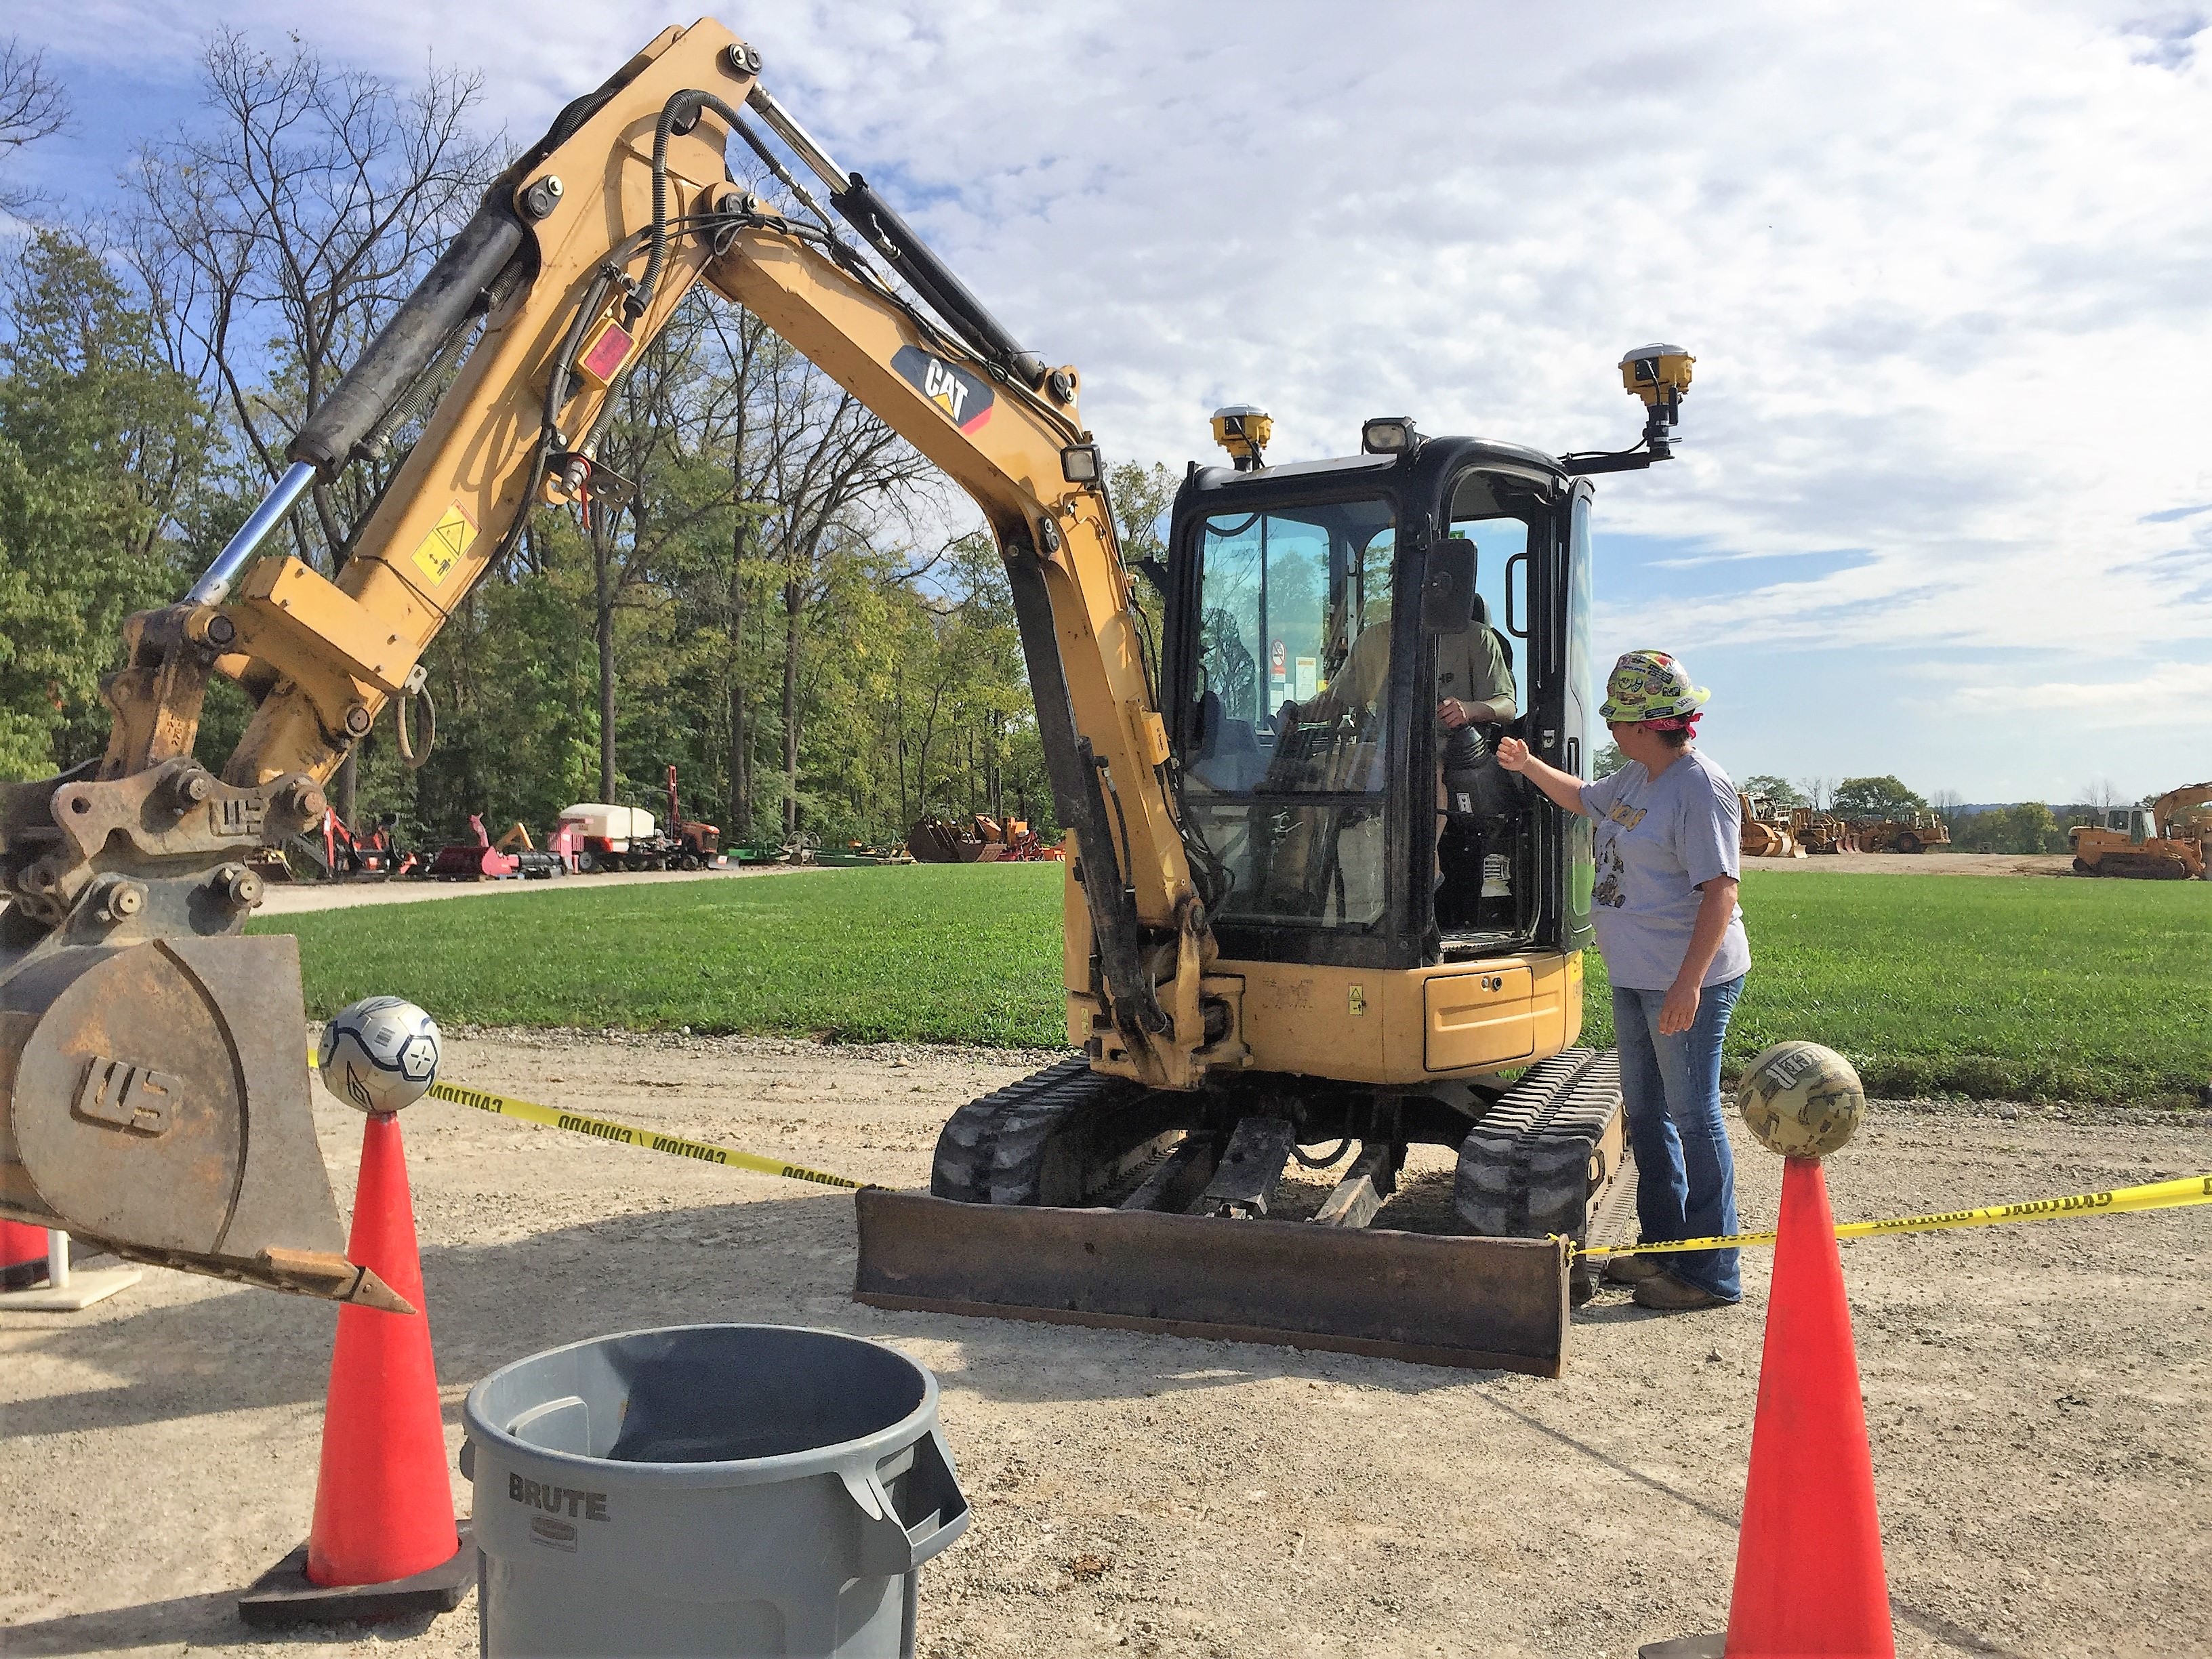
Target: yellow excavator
(1298,913)
(2169,840)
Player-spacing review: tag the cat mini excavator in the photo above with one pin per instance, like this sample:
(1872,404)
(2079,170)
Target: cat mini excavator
(1266,948)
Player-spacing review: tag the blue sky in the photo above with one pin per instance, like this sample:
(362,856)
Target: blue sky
(1945,503)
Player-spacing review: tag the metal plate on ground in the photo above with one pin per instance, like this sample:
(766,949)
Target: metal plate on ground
(1482,1302)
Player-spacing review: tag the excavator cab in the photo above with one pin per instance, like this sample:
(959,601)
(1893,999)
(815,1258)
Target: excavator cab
(1318,614)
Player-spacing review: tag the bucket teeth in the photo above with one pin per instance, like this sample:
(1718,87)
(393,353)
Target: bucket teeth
(317,1274)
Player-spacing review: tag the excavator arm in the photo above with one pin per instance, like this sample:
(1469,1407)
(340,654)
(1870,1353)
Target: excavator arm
(154,1096)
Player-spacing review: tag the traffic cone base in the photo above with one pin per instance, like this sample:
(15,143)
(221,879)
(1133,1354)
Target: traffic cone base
(1687,1647)
(286,1596)
(384,1541)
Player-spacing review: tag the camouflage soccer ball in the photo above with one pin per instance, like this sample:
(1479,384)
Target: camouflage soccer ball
(1802,1100)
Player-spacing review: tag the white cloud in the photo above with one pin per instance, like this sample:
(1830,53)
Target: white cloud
(1945,267)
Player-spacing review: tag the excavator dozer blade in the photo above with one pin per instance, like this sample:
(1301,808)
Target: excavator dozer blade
(1489,1304)
(153,1100)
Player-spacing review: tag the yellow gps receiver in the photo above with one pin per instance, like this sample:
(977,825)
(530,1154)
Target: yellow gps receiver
(1243,429)
(1657,373)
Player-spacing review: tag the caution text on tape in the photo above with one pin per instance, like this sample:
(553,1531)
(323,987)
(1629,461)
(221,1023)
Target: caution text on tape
(2154,1196)
(627,1134)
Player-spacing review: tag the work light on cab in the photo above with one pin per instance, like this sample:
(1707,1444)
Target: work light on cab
(1392,435)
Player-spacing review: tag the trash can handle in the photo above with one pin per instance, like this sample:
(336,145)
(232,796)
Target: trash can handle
(888,1545)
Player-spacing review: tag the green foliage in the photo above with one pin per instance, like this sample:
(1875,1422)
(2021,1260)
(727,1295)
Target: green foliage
(1608,761)
(99,442)
(1782,793)
(1994,989)
(2025,827)
(2040,990)
(1884,797)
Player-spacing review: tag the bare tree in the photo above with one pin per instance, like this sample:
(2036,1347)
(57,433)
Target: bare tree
(281,233)
(277,235)
(1820,793)
(33,105)
(2103,794)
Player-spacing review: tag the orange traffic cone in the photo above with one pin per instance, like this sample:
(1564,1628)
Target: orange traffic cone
(1808,1571)
(384,1541)
(23,1256)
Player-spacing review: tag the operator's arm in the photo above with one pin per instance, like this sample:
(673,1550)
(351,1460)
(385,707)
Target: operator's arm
(1564,789)
(1486,699)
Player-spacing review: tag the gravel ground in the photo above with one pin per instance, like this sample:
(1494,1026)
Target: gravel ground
(2037,1398)
(1925,864)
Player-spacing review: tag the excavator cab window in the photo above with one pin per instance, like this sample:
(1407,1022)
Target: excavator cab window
(1286,780)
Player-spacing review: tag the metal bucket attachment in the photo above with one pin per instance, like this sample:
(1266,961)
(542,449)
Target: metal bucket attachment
(1484,1303)
(153,1100)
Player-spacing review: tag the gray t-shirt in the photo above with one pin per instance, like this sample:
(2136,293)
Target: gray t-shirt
(1658,839)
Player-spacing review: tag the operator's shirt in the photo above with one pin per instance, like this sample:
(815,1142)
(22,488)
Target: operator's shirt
(1471,667)
(1658,840)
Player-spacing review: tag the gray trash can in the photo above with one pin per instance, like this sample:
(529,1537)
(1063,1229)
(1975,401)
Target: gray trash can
(707,1489)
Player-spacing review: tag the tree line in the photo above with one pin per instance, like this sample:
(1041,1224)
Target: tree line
(776,606)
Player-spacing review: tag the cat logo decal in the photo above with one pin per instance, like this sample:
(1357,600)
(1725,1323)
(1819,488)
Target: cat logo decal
(965,399)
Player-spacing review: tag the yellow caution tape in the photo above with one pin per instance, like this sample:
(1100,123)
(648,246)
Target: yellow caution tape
(2156,1195)
(629,1135)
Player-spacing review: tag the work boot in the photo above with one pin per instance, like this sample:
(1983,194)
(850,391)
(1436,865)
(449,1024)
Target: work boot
(1668,1294)
(1631,1269)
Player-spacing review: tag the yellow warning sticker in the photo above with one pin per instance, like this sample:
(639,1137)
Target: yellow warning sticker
(442,548)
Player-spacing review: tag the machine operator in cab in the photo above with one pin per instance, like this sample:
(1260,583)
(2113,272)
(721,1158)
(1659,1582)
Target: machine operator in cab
(1478,804)
(1673,939)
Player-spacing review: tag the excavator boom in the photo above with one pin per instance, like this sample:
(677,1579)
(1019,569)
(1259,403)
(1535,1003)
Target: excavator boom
(152,1092)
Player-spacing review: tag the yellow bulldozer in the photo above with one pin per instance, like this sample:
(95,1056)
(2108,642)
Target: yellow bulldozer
(2169,840)
(1281,934)
(1766,831)
(1820,834)
(1916,832)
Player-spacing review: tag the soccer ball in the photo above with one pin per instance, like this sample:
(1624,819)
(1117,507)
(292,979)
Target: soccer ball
(1800,1099)
(379,1055)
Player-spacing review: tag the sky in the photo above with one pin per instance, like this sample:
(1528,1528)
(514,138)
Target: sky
(1943,503)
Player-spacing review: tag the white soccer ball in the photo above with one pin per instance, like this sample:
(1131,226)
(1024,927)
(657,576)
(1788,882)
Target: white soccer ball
(379,1055)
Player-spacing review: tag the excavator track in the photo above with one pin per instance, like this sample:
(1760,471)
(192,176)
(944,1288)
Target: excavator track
(1539,1163)
(1064,1135)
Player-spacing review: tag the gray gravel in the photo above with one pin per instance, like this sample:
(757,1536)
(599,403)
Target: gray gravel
(2038,1397)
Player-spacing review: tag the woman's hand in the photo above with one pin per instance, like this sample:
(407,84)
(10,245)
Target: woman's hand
(1680,1011)
(1513,754)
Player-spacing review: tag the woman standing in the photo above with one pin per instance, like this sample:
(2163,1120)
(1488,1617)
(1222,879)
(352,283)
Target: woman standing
(1673,944)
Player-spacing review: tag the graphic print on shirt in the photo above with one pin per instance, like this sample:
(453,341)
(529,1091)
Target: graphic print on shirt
(1625,815)
(1608,891)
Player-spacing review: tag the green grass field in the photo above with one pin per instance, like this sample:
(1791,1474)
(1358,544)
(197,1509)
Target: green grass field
(2024,989)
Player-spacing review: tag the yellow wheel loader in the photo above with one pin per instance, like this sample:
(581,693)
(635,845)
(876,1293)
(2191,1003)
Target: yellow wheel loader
(1299,913)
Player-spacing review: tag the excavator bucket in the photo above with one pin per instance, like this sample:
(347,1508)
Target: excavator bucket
(1496,1303)
(153,1102)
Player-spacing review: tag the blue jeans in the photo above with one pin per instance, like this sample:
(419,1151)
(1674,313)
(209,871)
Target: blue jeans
(1671,1089)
